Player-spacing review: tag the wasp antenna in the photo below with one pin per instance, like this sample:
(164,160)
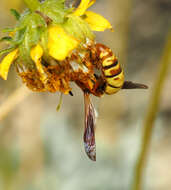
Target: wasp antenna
(132,85)
(89,132)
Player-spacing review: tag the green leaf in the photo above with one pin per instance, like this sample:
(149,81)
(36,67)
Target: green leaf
(15,14)
(54,9)
(78,28)
(3,51)
(8,30)
(6,38)
(24,50)
(19,36)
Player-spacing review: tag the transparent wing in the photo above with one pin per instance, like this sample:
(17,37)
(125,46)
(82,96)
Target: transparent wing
(89,132)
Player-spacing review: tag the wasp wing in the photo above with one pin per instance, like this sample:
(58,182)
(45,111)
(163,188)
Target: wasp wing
(89,132)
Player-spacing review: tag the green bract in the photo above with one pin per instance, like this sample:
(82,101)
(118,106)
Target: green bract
(32,28)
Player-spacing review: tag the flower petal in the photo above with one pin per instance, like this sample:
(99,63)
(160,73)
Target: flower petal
(60,44)
(97,22)
(6,63)
(91,3)
(36,54)
(84,5)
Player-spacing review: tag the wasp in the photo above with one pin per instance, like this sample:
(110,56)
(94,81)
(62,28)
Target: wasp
(95,69)
(109,79)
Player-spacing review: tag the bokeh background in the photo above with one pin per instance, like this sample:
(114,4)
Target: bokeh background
(42,149)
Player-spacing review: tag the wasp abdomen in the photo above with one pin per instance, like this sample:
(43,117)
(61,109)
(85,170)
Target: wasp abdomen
(111,69)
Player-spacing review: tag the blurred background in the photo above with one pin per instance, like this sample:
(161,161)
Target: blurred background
(42,149)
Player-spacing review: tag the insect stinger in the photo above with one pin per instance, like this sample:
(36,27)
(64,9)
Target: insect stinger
(89,132)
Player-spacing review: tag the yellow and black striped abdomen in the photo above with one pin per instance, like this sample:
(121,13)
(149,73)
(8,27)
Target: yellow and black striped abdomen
(112,71)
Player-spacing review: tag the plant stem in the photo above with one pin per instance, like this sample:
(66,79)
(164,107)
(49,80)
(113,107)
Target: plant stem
(151,115)
(32,4)
(13,100)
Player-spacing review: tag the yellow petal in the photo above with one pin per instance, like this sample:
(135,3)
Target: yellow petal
(97,22)
(36,55)
(6,63)
(84,5)
(91,2)
(60,44)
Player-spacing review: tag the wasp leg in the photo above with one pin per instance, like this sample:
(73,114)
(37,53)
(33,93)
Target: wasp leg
(70,92)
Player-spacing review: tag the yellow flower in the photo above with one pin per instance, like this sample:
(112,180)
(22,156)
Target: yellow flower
(6,63)
(50,38)
(60,44)
(36,55)
(95,21)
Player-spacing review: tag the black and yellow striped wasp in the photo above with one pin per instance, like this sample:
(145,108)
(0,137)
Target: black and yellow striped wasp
(109,80)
